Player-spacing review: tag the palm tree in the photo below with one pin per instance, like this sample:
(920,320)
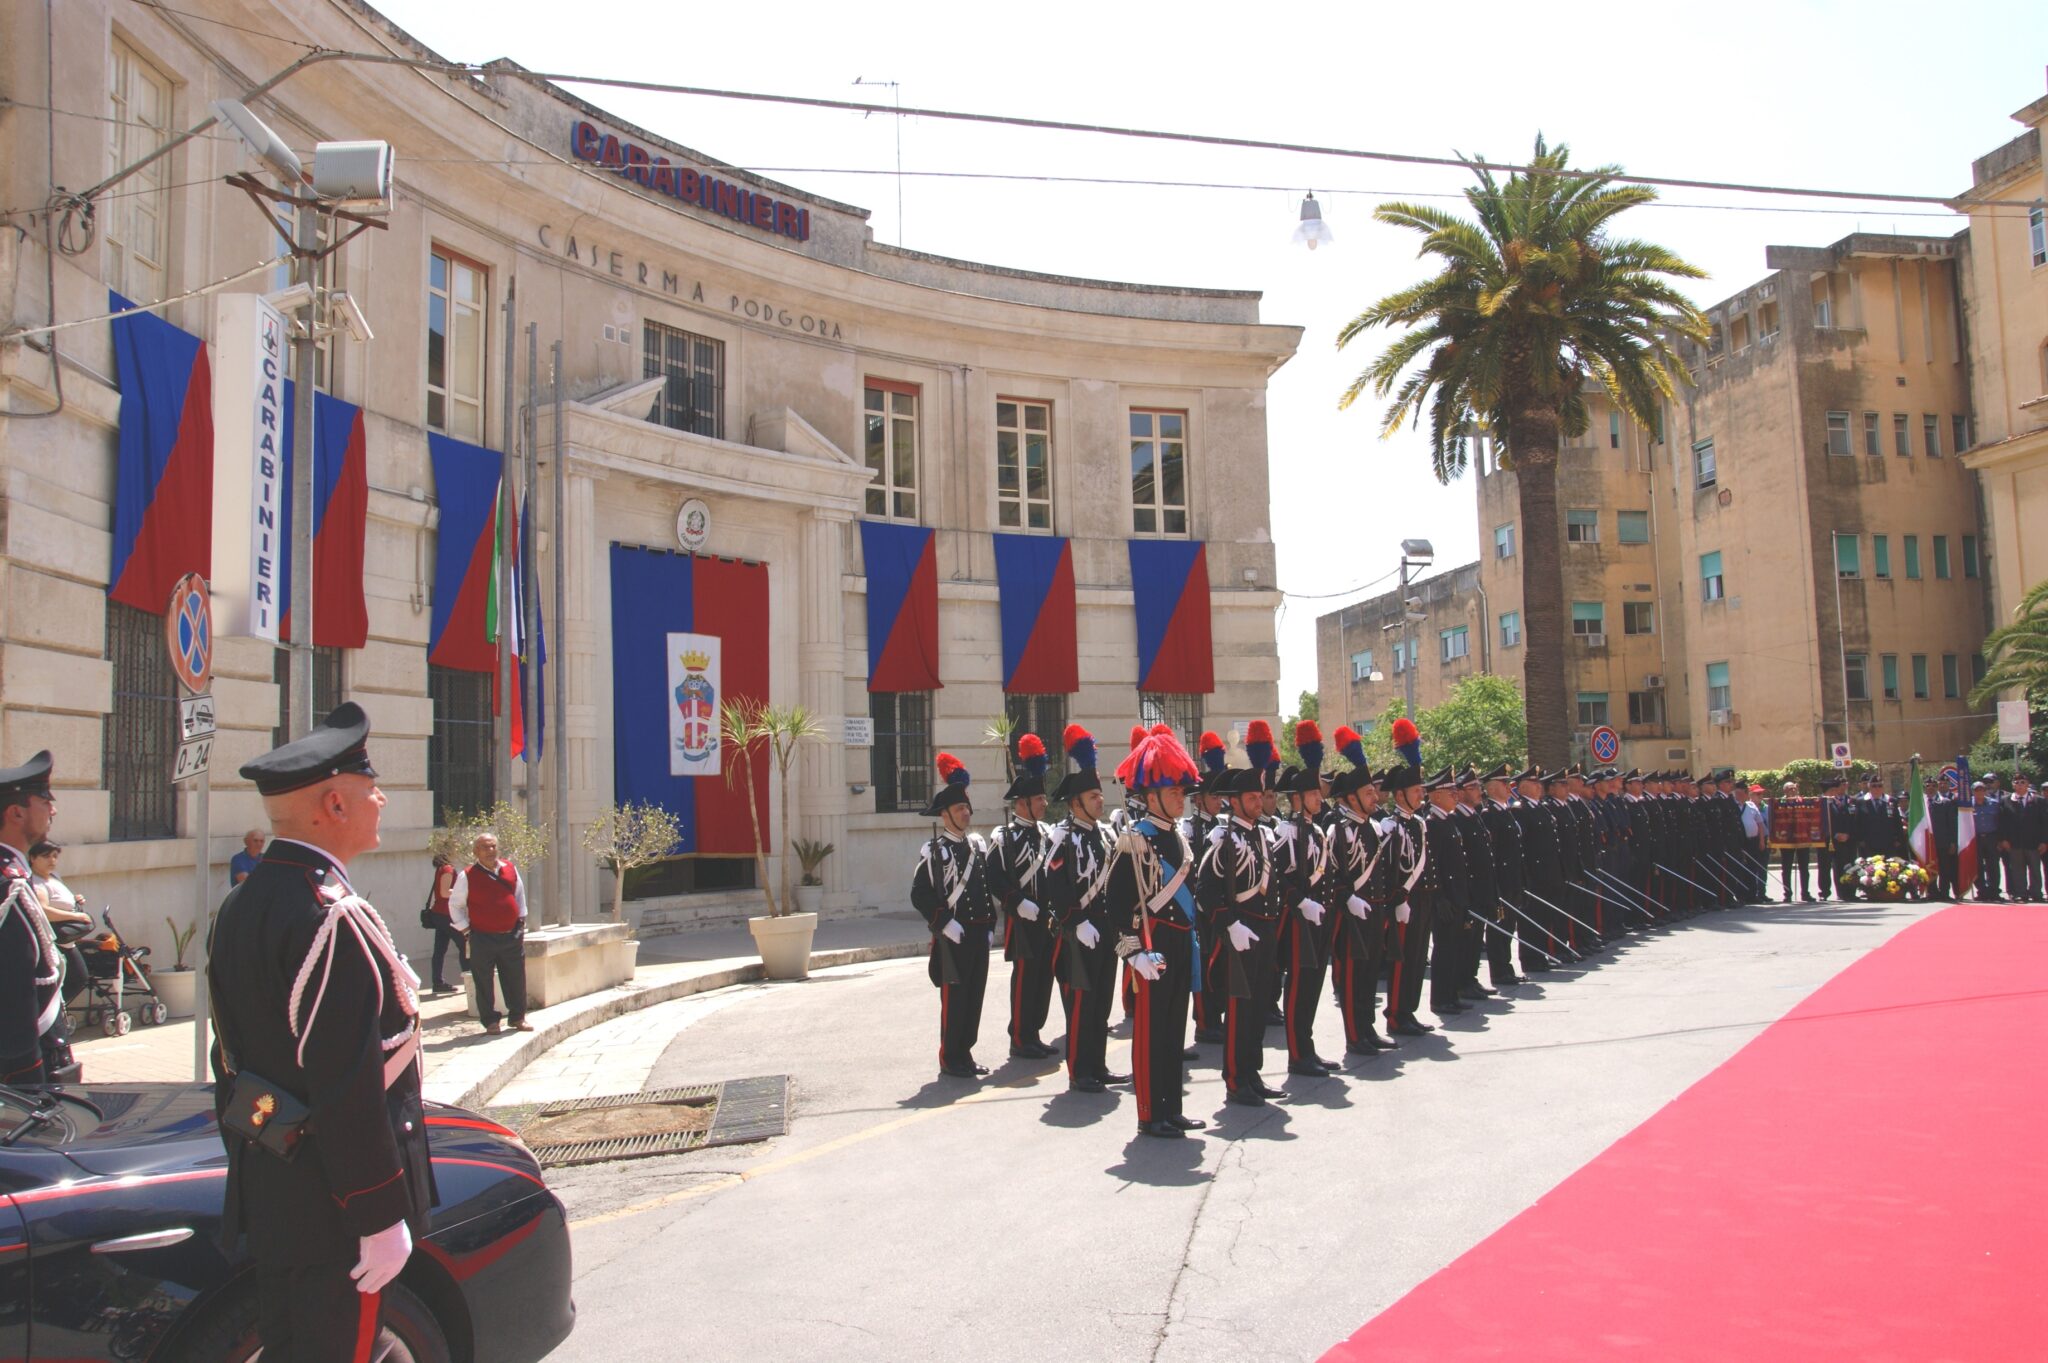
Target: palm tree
(2018,652)
(1533,301)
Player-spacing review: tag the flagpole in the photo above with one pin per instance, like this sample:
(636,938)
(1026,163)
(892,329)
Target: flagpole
(529,591)
(564,907)
(501,563)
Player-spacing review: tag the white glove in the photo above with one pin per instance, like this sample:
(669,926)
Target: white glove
(1357,906)
(1401,914)
(1150,964)
(1027,911)
(1242,937)
(1087,935)
(952,932)
(1312,911)
(384,1256)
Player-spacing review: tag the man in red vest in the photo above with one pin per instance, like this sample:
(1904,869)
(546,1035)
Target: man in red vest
(489,906)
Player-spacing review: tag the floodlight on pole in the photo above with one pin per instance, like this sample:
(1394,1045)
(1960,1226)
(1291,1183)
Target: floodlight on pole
(256,135)
(1313,231)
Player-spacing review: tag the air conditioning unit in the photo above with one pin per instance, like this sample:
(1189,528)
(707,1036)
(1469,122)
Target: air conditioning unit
(1674,754)
(1720,718)
(1594,640)
(1654,682)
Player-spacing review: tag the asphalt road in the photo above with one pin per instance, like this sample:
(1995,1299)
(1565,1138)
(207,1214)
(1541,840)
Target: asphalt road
(907,1216)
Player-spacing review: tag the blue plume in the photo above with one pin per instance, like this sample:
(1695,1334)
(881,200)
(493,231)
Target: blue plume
(1412,752)
(1083,753)
(1261,755)
(1037,765)
(1311,756)
(1213,758)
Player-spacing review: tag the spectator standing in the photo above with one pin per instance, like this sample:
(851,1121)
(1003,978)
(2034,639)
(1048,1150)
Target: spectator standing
(1756,831)
(488,904)
(1942,811)
(246,860)
(435,918)
(2024,825)
(1989,838)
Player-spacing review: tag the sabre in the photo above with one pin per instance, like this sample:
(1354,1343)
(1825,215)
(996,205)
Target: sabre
(1555,909)
(1714,875)
(1683,880)
(1539,927)
(1626,894)
(1734,873)
(1484,922)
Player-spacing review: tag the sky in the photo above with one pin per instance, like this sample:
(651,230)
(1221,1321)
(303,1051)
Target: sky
(1877,96)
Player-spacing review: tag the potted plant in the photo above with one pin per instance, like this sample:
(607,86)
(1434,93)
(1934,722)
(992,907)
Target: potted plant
(810,890)
(782,937)
(177,984)
(630,835)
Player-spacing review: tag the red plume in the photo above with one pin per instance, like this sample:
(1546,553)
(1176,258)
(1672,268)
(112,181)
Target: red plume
(1346,735)
(1307,732)
(1405,731)
(1161,728)
(948,764)
(1258,732)
(1210,739)
(1074,734)
(1137,734)
(1030,746)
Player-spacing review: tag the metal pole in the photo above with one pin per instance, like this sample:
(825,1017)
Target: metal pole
(202,889)
(501,754)
(564,910)
(529,590)
(299,683)
(1407,641)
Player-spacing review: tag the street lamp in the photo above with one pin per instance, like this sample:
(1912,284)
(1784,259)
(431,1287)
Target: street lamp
(1414,554)
(1313,231)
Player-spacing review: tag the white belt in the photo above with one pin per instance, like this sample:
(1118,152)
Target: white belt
(402,1058)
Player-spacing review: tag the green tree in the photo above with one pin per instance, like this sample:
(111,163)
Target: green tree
(1481,723)
(1531,303)
(1308,707)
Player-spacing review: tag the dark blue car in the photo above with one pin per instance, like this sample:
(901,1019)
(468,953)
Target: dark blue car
(110,1199)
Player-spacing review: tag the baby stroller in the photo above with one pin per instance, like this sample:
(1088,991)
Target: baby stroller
(116,980)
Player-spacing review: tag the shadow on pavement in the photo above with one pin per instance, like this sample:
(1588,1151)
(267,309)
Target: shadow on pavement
(1163,1163)
(1268,1123)
(1071,1111)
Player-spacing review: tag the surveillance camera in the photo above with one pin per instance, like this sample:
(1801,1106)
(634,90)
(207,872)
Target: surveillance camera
(351,316)
(290,298)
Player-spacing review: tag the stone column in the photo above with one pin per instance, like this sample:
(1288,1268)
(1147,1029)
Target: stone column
(589,778)
(821,668)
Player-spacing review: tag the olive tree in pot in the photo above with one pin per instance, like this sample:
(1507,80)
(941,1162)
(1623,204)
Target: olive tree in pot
(630,835)
(748,728)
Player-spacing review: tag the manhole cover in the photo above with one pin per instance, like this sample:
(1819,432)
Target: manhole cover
(656,1122)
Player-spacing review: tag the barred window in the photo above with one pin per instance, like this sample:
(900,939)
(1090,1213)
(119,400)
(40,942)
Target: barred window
(900,762)
(1183,710)
(459,755)
(326,688)
(692,396)
(141,734)
(1044,715)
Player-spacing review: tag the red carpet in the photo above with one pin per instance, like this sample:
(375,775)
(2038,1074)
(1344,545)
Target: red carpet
(1865,1181)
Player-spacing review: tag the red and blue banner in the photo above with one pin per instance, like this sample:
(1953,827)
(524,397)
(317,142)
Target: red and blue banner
(523,704)
(466,492)
(903,606)
(341,518)
(1170,588)
(656,593)
(163,480)
(1035,595)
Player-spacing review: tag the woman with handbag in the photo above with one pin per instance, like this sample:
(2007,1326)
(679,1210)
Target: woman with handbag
(434,917)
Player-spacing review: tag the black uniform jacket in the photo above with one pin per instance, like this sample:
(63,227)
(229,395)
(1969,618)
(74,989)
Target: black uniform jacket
(1016,860)
(951,864)
(21,963)
(363,1164)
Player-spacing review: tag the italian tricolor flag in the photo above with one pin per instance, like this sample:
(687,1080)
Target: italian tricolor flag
(1919,825)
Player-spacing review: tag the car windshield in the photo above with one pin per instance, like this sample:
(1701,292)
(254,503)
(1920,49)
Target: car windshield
(47,1118)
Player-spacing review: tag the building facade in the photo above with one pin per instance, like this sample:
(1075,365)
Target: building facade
(1826,525)
(2006,277)
(732,348)
(1367,651)
(1624,659)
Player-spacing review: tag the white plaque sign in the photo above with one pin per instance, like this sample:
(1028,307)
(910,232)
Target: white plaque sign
(249,490)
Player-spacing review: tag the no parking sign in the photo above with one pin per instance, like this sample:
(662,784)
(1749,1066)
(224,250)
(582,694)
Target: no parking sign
(1606,745)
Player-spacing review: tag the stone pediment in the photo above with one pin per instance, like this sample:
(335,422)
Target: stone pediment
(633,399)
(782,429)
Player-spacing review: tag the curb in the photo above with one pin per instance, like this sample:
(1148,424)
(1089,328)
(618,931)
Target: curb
(627,999)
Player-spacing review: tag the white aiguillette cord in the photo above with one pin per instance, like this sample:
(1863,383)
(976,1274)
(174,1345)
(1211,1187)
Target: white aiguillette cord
(357,914)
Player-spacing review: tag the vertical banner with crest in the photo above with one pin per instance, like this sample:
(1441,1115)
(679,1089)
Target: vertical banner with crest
(694,695)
